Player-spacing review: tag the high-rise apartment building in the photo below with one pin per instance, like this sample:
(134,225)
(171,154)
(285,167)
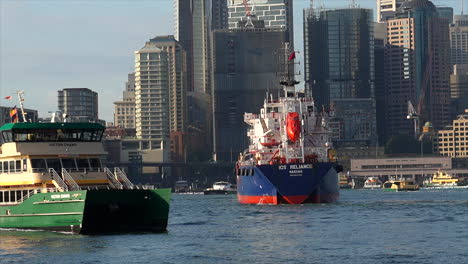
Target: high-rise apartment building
(339,68)
(274,13)
(459,41)
(152,97)
(245,69)
(124,111)
(417,67)
(177,91)
(177,80)
(79,104)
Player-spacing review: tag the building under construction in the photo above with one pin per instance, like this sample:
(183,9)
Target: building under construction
(245,65)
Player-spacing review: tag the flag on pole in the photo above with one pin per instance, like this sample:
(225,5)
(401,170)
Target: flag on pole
(8,97)
(292,56)
(14,114)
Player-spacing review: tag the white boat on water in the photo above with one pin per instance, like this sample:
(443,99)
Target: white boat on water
(221,187)
(373,183)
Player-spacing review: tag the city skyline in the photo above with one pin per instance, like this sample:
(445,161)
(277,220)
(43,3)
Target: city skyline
(91,44)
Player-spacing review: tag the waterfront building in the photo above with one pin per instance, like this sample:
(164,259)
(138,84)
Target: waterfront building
(245,69)
(405,167)
(459,40)
(79,104)
(339,65)
(274,13)
(417,67)
(452,141)
(124,110)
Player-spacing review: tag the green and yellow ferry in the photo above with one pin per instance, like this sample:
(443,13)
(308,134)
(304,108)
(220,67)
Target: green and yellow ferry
(52,178)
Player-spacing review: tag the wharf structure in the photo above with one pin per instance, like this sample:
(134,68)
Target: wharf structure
(405,167)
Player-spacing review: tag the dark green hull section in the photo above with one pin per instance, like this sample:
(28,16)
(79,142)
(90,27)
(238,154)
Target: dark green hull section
(89,212)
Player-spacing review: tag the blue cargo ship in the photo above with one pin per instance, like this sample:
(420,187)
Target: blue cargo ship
(290,158)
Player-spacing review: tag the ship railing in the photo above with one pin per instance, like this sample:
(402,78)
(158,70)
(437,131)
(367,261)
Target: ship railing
(70,181)
(113,181)
(29,194)
(120,174)
(56,177)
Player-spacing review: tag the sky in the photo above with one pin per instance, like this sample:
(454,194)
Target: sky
(48,45)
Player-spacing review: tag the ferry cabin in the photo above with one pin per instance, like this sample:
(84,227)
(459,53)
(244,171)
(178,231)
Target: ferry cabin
(60,156)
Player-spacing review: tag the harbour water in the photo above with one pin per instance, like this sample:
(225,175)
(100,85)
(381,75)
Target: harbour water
(366,226)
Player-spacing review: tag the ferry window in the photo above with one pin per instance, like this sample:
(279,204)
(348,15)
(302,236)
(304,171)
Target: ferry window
(12,165)
(1,166)
(5,166)
(25,165)
(87,136)
(18,165)
(69,164)
(7,136)
(99,135)
(95,163)
(54,164)
(38,165)
(82,163)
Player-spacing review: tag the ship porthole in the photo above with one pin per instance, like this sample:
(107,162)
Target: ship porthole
(8,212)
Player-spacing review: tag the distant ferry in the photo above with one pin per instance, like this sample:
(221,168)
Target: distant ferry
(400,185)
(441,179)
(52,178)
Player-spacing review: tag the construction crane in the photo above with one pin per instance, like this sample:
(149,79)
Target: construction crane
(412,114)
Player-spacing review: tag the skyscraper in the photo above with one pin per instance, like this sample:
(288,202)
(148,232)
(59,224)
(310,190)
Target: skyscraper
(459,41)
(193,25)
(152,97)
(417,67)
(275,14)
(124,111)
(339,67)
(80,104)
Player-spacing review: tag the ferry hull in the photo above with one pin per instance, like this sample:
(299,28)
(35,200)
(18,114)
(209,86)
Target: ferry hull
(288,184)
(89,212)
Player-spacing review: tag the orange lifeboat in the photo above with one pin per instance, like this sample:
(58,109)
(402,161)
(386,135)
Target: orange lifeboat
(293,126)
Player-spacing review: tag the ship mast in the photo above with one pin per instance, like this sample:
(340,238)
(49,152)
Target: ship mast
(21,99)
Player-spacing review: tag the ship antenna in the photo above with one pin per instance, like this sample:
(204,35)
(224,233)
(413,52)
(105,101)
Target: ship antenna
(21,99)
